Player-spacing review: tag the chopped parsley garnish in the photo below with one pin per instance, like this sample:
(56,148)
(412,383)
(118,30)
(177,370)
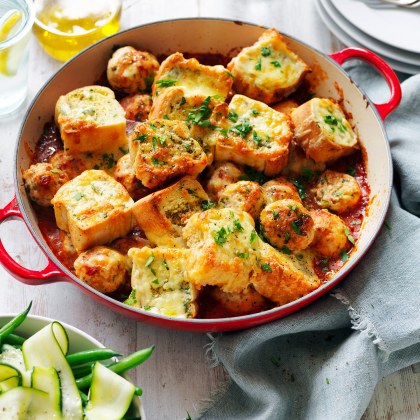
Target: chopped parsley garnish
(78,196)
(343,255)
(286,250)
(233,116)
(254,236)
(349,236)
(351,171)
(334,122)
(201,114)
(387,225)
(165,264)
(95,189)
(155,281)
(266,267)
(149,81)
(327,380)
(123,151)
(205,205)
(108,160)
(252,174)
(220,236)
(257,139)
(149,261)
(230,74)
(296,226)
(222,131)
(241,129)
(166,82)
(276,215)
(323,264)
(156,162)
(307,174)
(255,112)
(355,222)
(242,254)
(154,141)
(192,192)
(141,138)
(299,186)
(131,300)
(55,171)
(258,65)
(275,362)
(183,101)
(265,51)
(237,225)
(275,63)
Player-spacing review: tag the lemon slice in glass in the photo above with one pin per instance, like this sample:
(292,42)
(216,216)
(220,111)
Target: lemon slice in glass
(8,27)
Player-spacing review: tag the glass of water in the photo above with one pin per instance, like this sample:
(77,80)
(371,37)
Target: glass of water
(16,20)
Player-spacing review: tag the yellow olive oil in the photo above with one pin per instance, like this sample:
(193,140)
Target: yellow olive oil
(65,27)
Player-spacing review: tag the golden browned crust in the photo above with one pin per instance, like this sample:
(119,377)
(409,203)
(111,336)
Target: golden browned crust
(279,189)
(330,234)
(251,66)
(310,137)
(161,150)
(137,106)
(175,70)
(280,279)
(162,214)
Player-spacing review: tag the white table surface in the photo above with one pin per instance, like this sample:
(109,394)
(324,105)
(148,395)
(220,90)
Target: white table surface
(177,377)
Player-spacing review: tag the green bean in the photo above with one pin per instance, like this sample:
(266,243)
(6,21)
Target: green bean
(121,366)
(7,329)
(14,340)
(83,370)
(93,355)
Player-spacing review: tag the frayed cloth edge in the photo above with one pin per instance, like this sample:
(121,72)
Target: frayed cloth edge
(359,323)
(213,361)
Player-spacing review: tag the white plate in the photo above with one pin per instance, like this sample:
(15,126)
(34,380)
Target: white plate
(351,42)
(366,40)
(398,27)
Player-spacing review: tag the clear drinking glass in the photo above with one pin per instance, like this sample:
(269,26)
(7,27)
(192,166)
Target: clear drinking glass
(16,20)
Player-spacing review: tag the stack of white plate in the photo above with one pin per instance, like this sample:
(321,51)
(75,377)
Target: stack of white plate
(392,33)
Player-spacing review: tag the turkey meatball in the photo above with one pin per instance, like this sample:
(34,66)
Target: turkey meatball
(241,303)
(330,233)
(42,181)
(71,165)
(131,71)
(337,191)
(243,196)
(279,189)
(137,106)
(287,223)
(102,268)
(221,175)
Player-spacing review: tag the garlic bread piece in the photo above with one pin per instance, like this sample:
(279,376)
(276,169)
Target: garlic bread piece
(323,131)
(254,134)
(94,208)
(223,244)
(90,119)
(284,278)
(161,150)
(268,70)
(195,109)
(195,78)
(337,191)
(163,214)
(159,282)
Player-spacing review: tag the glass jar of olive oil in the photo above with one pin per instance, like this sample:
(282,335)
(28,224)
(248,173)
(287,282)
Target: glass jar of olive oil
(65,27)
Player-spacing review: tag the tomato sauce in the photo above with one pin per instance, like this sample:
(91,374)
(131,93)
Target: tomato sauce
(355,165)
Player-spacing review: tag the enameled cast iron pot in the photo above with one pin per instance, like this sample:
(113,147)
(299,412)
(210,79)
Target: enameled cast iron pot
(208,36)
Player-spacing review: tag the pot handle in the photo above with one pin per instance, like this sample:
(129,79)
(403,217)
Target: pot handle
(50,274)
(391,78)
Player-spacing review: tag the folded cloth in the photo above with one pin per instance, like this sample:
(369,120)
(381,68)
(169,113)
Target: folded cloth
(324,362)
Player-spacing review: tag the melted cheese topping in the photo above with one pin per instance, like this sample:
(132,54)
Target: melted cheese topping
(270,64)
(159,279)
(95,104)
(332,121)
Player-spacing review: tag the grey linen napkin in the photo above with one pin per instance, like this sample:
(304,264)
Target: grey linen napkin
(325,361)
